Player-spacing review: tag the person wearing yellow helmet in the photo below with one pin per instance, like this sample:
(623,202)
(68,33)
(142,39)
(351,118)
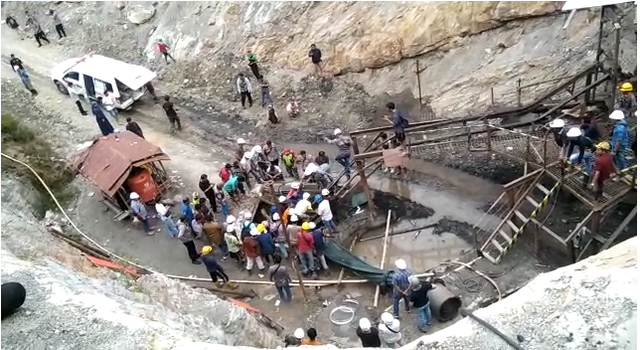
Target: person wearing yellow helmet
(266,243)
(626,101)
(602,169)
(215,270)
(305,250)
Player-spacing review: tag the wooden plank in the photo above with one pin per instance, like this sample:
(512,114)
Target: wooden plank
(521,180)
(497,245)
(504,235)
(620,228)
(384,257)
(513,226)
(542,188)
(548,231)
(521,216)
(532,201)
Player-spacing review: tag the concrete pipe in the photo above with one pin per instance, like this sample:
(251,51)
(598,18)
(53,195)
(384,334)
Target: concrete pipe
(444,305)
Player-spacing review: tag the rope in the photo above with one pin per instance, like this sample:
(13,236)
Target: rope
(111,254)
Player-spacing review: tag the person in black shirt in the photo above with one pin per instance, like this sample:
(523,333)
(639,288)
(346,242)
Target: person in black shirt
(575,138)
(171,113)
(316,58)
(207,189)
(15,62)
(367,334)
(590,129)
(418,296)
(559,135)
(134,127)
(322,158)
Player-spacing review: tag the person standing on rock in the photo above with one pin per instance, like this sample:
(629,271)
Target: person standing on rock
(139,211)
(57,22)
(316,58)
(253,65)
(75,91)
(265,95)
(103,123)
(243,86)
(134,127)
(213,268)
(171,114)
(207,188)
(420,299)
(344,151)
(38,33)
(164,50)
(401,287)
(186,237)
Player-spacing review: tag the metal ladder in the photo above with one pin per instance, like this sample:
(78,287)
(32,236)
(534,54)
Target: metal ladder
(515,222)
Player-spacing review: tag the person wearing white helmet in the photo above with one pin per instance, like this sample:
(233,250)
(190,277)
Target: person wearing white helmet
(401,287)
(575,138)
(368,335)
(303,159)
(344,150)
(559,135)
(165,216)
(248,166)
(293,227)
(324,210)
(418,295)
(234,245)
(251,251)
(303,207)
(295,339)
(389,331)
(240,149)
(277,229)
(619,139)
(139,211)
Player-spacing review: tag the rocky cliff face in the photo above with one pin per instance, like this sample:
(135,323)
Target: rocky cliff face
(465,48)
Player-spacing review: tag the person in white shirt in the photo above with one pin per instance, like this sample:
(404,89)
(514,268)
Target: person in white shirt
(109,103)
(303,207)
(324,210)
(389,331)
(74,92)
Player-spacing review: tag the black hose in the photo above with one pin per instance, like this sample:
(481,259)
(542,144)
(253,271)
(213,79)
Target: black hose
(467,313)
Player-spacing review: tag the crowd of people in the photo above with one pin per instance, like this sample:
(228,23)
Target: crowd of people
(386,333)
(601,157)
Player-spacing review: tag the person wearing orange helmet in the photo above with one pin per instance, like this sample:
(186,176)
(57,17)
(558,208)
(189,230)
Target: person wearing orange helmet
(288,158)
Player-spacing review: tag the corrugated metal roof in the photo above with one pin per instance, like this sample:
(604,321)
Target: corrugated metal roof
(109,160)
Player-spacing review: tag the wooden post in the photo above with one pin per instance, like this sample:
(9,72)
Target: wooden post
(526,156)
(418,71)
(384,257)
(519,92)
(492,98)
(293,259)
(353,244)
(363,180)
(614,68)
(487,128)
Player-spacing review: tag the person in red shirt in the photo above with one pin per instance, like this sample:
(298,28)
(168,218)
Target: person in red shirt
(225,173)
(252,252)
(164,50)
(305,250)
(602,169)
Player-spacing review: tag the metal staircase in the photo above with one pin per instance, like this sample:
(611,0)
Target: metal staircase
(525,208)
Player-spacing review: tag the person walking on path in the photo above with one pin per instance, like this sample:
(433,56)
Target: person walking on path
(316,58)
(401,287)
(389,331)
(58,24)
(253,65)
(164,50)
(171,114)
(134,127)
(213,268)
(186,237)
(243,86)
(279,275)
(368,335)
(26,81)
(207,188)
(16,62)
(265,95)
(418,296)
(103,123)
(38,33)
(75,91)
(398,121)
(139,211)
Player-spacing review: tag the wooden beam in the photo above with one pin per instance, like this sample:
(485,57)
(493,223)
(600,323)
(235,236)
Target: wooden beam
(620,228)
(522,179)
(384,257)
(579,227)
(413,229)
(548,231)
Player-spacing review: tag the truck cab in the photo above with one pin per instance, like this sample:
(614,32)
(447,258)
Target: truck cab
(95,74)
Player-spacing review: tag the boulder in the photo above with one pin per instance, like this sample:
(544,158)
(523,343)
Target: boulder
(140,14)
